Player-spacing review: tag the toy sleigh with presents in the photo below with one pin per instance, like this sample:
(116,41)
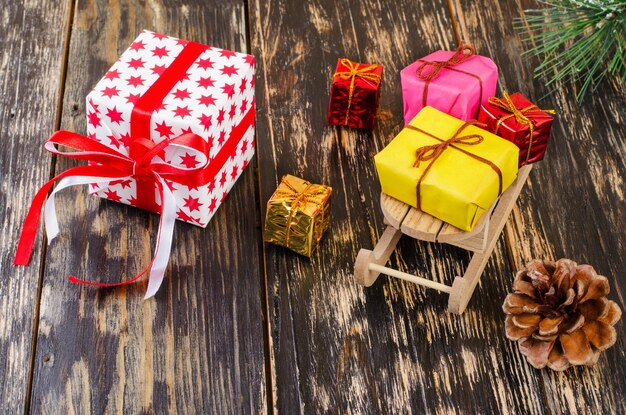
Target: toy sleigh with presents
(451,179)
(402,218)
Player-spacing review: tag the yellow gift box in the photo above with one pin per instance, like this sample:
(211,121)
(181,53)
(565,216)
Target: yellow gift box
(448,168)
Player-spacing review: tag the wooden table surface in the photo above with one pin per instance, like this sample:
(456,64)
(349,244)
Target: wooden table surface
(244,327)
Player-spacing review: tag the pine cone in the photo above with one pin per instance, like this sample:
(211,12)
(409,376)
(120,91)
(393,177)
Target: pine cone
(559,314)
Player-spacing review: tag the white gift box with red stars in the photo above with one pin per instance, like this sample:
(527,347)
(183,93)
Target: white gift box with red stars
(214,98)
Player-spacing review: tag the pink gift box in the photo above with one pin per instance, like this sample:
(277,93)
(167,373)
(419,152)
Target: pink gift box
(456,89)
(212,97)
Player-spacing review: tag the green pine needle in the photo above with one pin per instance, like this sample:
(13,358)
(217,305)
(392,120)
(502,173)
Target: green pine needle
(579,41)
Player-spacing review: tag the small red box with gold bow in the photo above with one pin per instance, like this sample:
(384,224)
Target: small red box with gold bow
(354,94)
(518,120)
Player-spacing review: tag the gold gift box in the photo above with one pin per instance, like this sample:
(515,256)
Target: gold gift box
(298,214)
(452,167)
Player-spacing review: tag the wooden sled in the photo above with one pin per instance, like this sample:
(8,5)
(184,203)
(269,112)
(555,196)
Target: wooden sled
(401,218)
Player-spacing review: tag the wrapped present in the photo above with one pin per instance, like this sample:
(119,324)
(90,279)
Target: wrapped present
(354,94)
(298,214)
(456,83)
(161,88)
(518,120)
(170,128)
(446,167)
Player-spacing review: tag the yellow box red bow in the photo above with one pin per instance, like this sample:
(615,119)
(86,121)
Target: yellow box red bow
(448,168)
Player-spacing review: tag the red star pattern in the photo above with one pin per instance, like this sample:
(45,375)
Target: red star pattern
(163,106)
(242,86)
(158,69)
(135,63)
(234,173)
(229,70)
(205,63)
(223,179)
(229,89)
(170,184)
(244,146)
(137,46)
(232,112)
(93,105)
(158,36)
(112,74)
(192,203)
(113,141)
(211,186)
(183,216)
(112,195)
(182,112)
(135,81)
(114,115)
(213,205)
(125,139)
(164,130)
(220,116)
(160,52)
(205,82)
(249,59)
(227,53)
(206,121)
(93,119)
(182,42)
(124,183)
(244,106)
(182,94)
(206,100)
(133,200)
(222,138)
(110,92)
(189,161)
(132,98)
(192,187)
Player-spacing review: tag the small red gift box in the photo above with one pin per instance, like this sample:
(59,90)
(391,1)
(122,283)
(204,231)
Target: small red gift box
(518,120)
(354,94)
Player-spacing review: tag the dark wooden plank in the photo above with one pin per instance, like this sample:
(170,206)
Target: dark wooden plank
(32,41)
(391,348)
(574,205)
(197,347)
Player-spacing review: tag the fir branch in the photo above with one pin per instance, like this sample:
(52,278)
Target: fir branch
(579,41)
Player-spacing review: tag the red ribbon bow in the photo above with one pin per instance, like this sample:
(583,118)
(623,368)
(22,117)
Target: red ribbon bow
(109,164)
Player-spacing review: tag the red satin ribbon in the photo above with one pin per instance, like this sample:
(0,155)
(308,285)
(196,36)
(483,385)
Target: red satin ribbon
(108,163)
(147,104)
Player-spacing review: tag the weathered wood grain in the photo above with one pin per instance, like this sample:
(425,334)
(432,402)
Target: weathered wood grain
(333,347)
(574,206)
(390,348)
(30,81)
(198,346)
